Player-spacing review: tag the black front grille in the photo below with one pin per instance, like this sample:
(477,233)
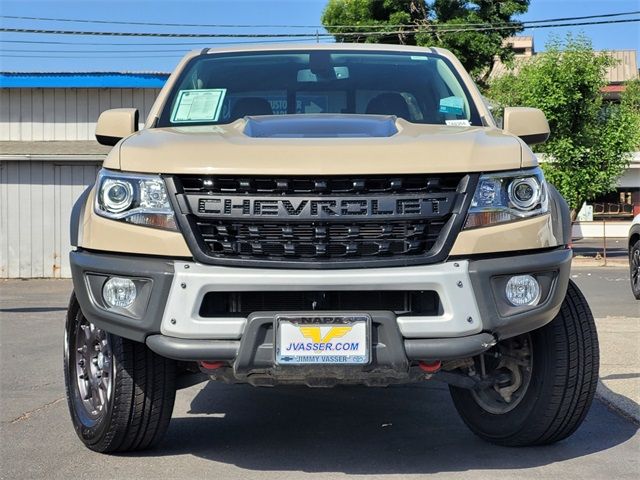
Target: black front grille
(222,304)
(225,219)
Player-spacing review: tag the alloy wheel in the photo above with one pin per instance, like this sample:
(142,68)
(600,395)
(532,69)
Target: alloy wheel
(93,368)
(635,269)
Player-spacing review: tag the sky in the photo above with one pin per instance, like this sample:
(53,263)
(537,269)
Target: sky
(17,54)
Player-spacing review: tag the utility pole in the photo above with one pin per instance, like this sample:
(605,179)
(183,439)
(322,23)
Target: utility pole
(317,36)
(604,240)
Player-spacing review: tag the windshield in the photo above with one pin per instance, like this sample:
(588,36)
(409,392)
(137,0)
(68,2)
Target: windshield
(221,88)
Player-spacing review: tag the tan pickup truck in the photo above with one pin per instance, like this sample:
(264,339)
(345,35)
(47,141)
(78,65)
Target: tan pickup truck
(323,215)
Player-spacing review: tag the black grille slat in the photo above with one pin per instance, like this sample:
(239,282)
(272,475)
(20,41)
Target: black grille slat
(309,232)
(320,185)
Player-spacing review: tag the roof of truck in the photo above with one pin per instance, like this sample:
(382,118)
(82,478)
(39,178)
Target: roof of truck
(317,46)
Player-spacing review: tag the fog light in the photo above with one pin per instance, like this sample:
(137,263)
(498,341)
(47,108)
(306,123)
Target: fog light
(119,292)
(523,290)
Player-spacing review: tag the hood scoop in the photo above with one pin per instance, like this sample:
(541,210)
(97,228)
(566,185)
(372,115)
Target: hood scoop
(320,126)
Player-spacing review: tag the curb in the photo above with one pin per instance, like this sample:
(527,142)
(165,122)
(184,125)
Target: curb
(592,262)
(623,406)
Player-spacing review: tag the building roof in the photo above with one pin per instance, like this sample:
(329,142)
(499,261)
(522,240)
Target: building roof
(626,67)
(83,79)
(522,45)
(74,150)
(500,69)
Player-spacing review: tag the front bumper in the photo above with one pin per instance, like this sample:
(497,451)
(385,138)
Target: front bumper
(473,314)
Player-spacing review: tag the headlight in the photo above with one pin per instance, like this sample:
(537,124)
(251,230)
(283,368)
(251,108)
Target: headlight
(134,198)
(116,195)
(507,196)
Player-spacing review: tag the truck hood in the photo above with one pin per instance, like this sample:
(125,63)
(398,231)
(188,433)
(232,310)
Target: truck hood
(319,145)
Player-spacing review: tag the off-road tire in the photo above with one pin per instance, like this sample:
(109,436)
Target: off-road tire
(634,268)
(564,376)
(141,399)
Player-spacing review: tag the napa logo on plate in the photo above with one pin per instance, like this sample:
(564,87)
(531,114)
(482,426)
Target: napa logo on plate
(315,333)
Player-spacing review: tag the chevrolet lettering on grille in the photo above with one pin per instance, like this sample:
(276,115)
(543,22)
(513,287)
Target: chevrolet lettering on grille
(354,207)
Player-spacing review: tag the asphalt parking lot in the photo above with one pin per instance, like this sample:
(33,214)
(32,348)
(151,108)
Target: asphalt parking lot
(241,432)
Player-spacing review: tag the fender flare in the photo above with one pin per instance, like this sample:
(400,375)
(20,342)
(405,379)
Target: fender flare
(77,214)
(560,216)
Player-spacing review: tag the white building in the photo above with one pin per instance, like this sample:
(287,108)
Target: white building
(48,156)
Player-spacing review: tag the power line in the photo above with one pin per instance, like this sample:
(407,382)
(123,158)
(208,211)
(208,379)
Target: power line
(511,24)
(26,50)
(119,22)
(527,27)
(169,44)
(157,24)
(151,50)
(94,53)
(177,55)
(179,51)
(294,35)
(586,17)
(163,34)
(451,29)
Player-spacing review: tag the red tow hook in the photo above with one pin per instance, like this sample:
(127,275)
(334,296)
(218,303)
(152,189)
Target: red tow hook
(430,367)
(211,365)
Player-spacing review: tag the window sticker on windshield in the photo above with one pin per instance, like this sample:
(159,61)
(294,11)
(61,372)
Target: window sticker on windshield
(420,57)
(453,105)
(198,105)
(458,123)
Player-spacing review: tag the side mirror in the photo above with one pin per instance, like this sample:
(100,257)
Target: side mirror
(529,124)
(113,125)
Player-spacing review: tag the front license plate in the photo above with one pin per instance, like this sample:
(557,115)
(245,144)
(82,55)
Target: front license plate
(332,339)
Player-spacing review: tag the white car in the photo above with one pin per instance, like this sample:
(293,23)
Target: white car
(634,256)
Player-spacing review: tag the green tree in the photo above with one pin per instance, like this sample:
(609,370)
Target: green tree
(435,23)
(591,140)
